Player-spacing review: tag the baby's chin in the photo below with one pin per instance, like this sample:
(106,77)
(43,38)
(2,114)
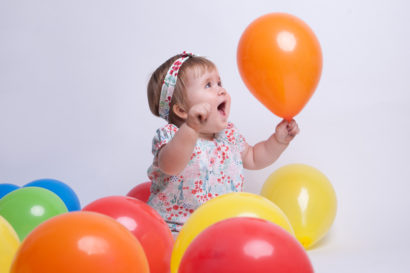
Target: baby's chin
(223,125)
(217,128)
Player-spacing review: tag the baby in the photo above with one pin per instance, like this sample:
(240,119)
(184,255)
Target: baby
(199,154)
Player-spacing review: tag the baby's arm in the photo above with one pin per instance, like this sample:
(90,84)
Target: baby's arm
(266,152)
(174,156)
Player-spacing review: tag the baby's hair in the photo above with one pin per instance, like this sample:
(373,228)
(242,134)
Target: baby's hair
(200,64)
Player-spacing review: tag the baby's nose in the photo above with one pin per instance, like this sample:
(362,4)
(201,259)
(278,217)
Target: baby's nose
(221,91)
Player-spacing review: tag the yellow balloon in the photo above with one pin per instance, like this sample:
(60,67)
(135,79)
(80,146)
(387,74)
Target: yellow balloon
(307,198)
(238,204)
(9,243)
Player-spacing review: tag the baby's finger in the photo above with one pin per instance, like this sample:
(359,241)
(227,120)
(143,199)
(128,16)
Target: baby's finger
(291,124)
(199,117)
(295,130)
(204,109)
(202,116)
(283,124)
(291,127)
(205,113)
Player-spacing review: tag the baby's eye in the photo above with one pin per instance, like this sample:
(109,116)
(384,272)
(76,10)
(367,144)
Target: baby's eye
(208,85)
(220,83)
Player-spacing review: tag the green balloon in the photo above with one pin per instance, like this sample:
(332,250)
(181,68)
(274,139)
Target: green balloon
(26,208)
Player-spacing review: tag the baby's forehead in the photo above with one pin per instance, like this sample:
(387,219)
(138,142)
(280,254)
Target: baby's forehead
(199,71)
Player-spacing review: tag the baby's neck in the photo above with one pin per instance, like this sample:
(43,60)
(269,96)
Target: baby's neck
(206,136)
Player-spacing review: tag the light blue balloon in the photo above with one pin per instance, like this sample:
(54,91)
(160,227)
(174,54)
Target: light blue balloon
(63,191)
(6,188)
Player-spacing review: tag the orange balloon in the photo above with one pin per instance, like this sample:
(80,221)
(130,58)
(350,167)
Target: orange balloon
(80,242)
(280,60)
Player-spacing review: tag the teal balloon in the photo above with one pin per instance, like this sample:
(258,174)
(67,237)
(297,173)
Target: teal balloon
(26,208)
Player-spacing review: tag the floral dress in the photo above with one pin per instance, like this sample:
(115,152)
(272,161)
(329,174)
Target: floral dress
(215,168)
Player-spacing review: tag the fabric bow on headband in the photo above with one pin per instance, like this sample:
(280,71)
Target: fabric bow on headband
(168,86)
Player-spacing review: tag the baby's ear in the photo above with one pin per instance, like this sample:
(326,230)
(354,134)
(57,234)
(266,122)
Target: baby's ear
(180,111)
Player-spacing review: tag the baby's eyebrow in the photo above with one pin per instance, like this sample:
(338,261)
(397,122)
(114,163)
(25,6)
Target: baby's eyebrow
(206,80)
(209,79)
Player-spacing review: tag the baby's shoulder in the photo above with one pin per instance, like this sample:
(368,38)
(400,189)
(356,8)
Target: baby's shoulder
(165,132)
(169,128)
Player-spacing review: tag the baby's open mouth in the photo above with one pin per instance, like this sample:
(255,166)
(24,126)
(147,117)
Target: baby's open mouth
(221,108)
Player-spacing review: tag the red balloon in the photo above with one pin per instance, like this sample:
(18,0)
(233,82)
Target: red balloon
(80,242)
(280,61)
(243,245)
(146,225)
(141,191)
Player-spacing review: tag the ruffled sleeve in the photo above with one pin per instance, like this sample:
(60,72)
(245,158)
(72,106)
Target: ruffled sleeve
(234,137)
(162,136)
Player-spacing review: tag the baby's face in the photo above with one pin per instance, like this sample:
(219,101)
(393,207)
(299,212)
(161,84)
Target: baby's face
(207,88)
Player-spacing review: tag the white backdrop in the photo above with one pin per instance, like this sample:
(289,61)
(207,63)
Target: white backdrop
(73,104)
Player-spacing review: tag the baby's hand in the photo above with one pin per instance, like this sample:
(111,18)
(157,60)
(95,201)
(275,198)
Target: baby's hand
(198,116)
(286,131)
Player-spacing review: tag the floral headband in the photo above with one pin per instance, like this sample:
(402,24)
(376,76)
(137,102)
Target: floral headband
(168,86)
